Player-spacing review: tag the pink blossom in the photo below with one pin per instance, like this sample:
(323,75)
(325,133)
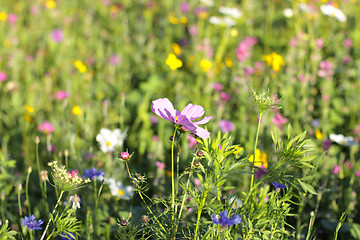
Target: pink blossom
(249,71)
(358,173)
(46,127)
(60,95)
(336,169)
(197,181)
(320,43)
(160,165)
(3,76)
(193,30)
(185,7)
(57,35)
(191,140)
(12,18)
(224,96)
(244,47)
(226,126)
(348,43)
(293,42)
(73,173)
(115,60)
(218,86)
(326,69)
(347,59)
(279,120)
(302,78)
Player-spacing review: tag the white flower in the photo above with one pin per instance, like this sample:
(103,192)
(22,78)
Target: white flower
(110,139)
(209,3)
(345,141)
(227,21)
(330,10)
(235,202)
(304,7)
(75,201)
(288,12)
(232,12)
(119,190)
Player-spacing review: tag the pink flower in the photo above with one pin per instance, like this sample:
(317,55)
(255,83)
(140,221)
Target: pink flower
(348,43)
(160,165)
(124,155)
(3,76)
(326,69)
(197,182)
(249,71)
(224,96)
(73,173)
(46,127)
(12,18)
(319,43)
(115,60)
(193,30)
(358,173)
(279,120)
(185,7)
(191,140)
(164,109)
(336,169)
(218,86)
(226,126)
(57,35)
(60,95)
(244,47)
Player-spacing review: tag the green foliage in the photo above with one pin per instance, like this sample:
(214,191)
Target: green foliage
(6,233)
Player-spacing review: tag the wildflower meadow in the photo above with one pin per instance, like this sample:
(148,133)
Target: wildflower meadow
(184,119)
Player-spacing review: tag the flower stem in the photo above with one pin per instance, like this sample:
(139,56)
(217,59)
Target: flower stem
(172,175)
(142,198)
(19,201)
(199,213)
(255,146)
(27,191)
(48,224)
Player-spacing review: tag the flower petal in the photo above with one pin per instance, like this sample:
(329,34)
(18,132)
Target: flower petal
(164,109)
(193,112)
(185,122)
(204,120)
(201,132)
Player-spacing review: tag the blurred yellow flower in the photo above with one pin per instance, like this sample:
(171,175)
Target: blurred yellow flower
(76,110)
(28,118)
(3,16)
(203,15)
(260,159)
(173,19)
(173,62)
(237,150)
(176,49)
(7,43)
(80,66)
(318,134)
(205,65)
(114,9)
(184,20)
(228,62)
(275,60)
(50,4)
(29,109)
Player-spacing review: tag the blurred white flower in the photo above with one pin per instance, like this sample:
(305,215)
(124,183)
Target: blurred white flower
(288,12)
(232,12)
(330,10)
(119,190)
(209,3)
(110,139)
(345,141)
(227,21)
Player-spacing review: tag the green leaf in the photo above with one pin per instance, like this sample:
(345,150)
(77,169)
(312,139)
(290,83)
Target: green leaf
(307,187)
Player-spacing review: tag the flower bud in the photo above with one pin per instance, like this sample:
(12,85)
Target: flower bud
(123,223)
(199,153)
(124,155)
(196,164)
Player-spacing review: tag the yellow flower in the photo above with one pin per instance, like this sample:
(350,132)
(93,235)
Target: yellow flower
(203,15)
(29,109)
(114,9)
(184,20)
(3,16)
(76,110)
(268,59)
(176,49)
(50,4)
(173,19)
(275,60)
(28,118)
(237,150)
(205,65)
(173,62)
(7,43)
(260,159)
(228,62)
(318,134)
(80,66)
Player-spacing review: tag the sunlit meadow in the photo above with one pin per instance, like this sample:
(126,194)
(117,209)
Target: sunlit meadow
(198,119)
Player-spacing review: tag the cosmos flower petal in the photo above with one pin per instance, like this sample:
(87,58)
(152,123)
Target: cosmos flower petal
(193,112)
(204,120)
(185,122)
(164,109)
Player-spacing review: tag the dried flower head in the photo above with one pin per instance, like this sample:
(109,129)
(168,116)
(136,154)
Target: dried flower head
(264,101)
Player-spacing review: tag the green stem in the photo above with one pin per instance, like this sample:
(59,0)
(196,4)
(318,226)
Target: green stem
(142,198)
(27,190)
(19,201)
(255,146)
(48,224)
(172,175)
(199,213)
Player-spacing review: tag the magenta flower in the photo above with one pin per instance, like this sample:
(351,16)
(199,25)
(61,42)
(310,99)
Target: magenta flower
(185,7)
(60,95)
(326,69)
(191,140)
(164,109)
(279,120)
(115,60)
(217,86)
(224,96)
(244,47)
(348,43)
(12,18)
(57,35)
(160,165)
(3,76)
(336,169)
(46,127)
(226,126)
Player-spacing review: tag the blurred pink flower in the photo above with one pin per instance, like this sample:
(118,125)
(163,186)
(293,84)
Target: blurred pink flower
(197,181)
(193,30)
(347,59)
(57,35)
(293,42)
(226,126)
(249,71)
(160,165)
(217,86)
(326,69)
(191,140)
(46,127)
(348,43)
(60,95)
(336,169)
(320,43)
(115,60)
(279,120)
(185,7)
(3,76)
(12,18)
(244,48)
(224,96)
(358,173)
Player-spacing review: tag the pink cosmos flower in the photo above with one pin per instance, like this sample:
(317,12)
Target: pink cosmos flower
(160,165)
(57,35)
(226,126)
(3,76)
(164,109)
(46,127)
(60,95)
(279,120)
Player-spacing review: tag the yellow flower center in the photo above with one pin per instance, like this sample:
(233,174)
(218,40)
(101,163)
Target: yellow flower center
(108,143)
(120,192)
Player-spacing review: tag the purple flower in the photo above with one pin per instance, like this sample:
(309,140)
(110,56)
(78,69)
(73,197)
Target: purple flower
(326,144)
(31,223)
(260,172)
(279,120)
(93,173)
(164,109)
(57,35)
(315,123)
(224,96)
(278,185)
(224,220)
(226,126)
(185,7)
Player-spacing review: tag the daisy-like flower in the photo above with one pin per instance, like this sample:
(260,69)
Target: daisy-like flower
(110,139)
(222,21)
(164,109)
(224,220)
(342,140)
(330,10)
(30,222)
(232,12)
(119,190)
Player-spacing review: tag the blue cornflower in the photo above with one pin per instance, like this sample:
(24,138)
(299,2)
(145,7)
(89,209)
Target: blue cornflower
(93,173)
(278,185)
(224,220)
(31,223)
(67,236)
